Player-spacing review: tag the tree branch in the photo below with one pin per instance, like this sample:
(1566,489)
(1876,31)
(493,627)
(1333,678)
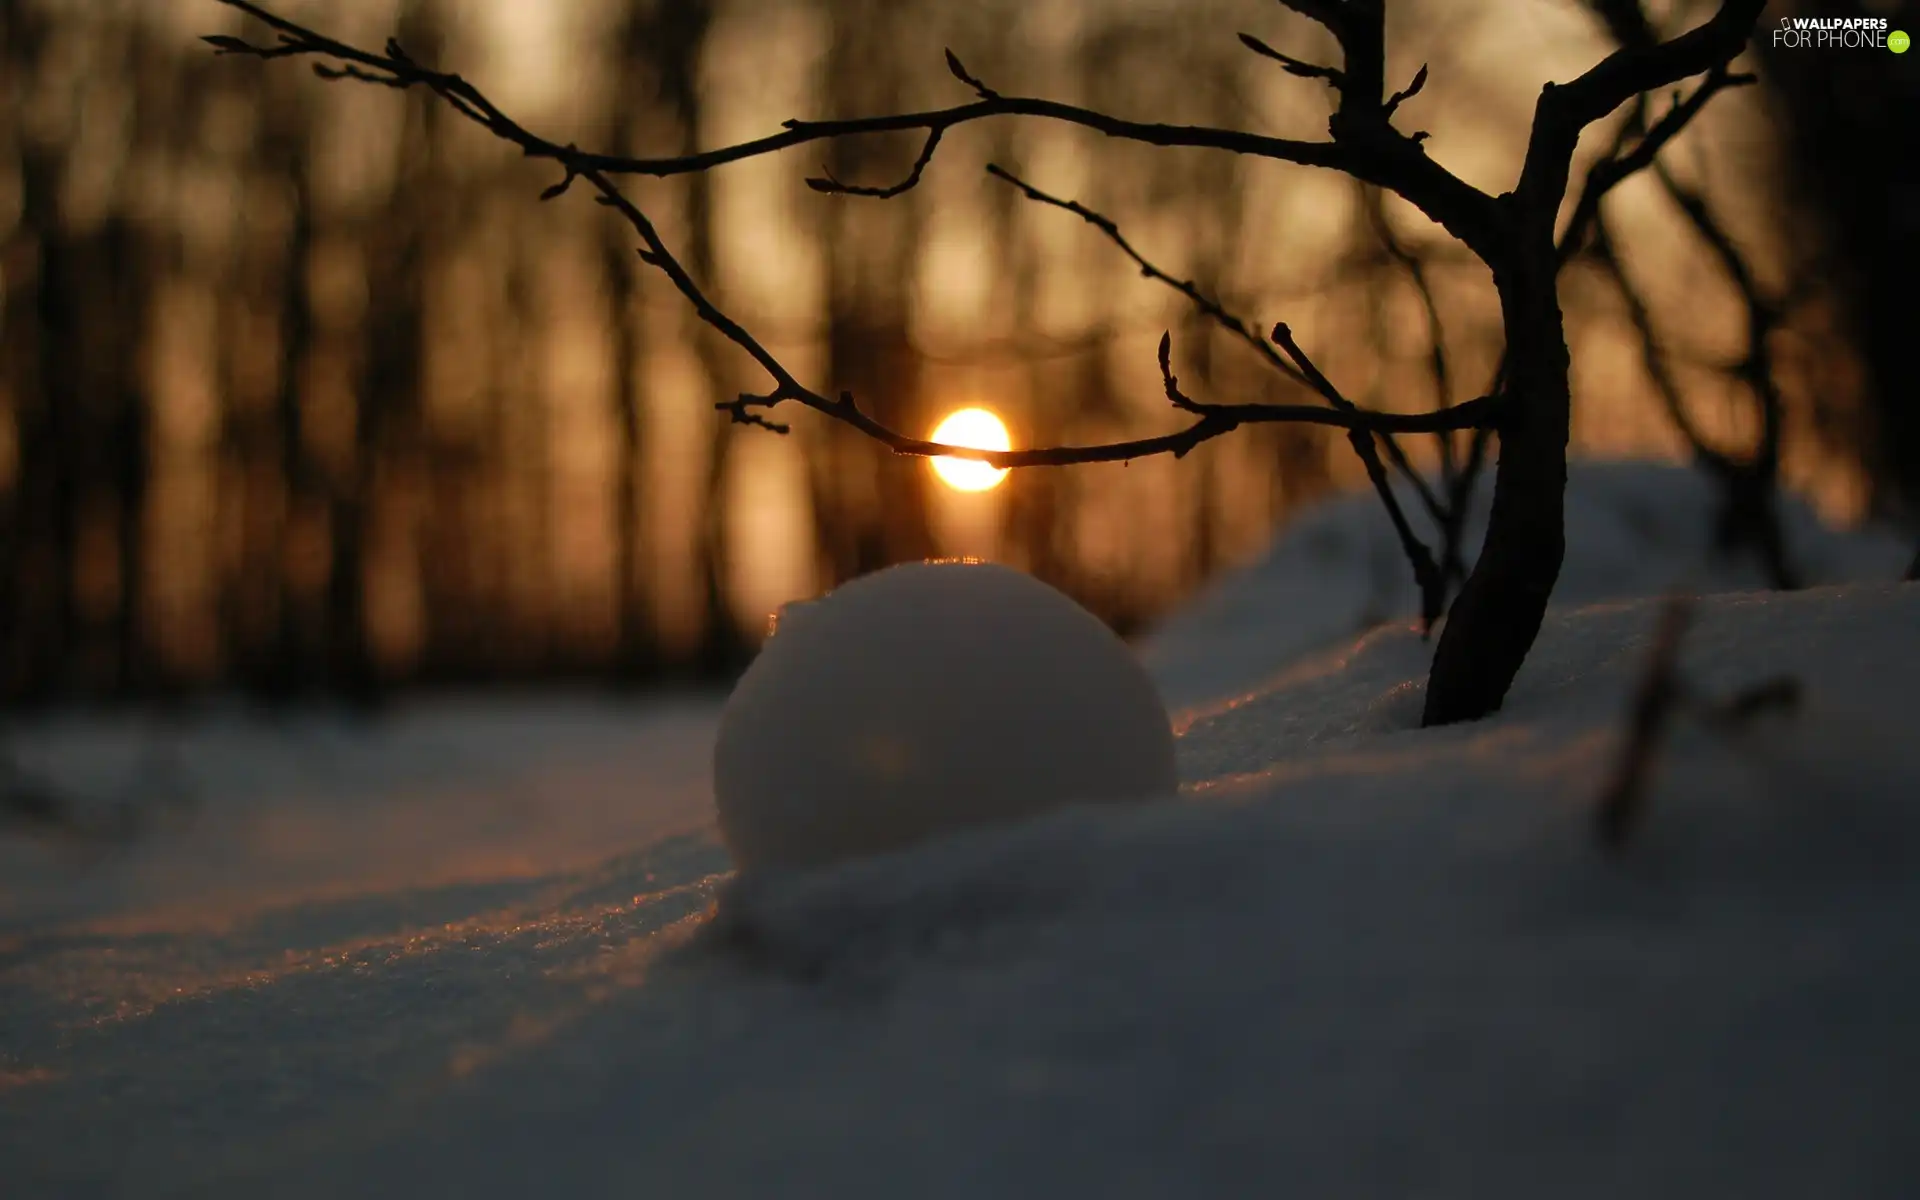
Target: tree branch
(1293,66)
(1416,271)
(1426,573)
(1564,110)
(1653,356)
(1296,366)
(1186,287)
(828,185)
(396,69)
(1395,163)
(1748,483)
(1621,163)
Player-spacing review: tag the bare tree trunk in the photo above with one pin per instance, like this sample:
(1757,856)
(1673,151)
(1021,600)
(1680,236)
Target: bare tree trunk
(679,42)
(389,383)
(47,419)
(870,511)
(287,661)
(1497,615)
(129,446)
(637,650)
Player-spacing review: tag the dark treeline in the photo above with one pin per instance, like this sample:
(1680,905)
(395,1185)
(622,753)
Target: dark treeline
(302,391)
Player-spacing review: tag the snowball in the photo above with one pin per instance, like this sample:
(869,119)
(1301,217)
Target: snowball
(926,698)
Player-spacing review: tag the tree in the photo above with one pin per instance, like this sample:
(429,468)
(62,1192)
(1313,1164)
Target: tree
(1497,613)
(1859,199)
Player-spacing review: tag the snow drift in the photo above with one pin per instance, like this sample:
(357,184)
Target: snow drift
(1353,958)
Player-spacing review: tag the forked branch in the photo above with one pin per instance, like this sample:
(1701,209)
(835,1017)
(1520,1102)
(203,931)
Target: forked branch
(1565,110)
(394,68)
(1624,160)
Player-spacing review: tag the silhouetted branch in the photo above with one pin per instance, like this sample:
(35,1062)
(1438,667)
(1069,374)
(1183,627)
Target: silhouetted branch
(1297,366)
(1213,310)
(1407,93)
(1749,511)
(1425,573)
(1749,483)
(961,73)
(1394,162)
(1294,66)
(828,185)
(1564,110)
(1213,421)
(1327,12)
(1653,356)
(1622,162)
(1448,510)
(1416,270)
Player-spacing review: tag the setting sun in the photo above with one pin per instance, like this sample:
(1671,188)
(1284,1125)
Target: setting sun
(978,428)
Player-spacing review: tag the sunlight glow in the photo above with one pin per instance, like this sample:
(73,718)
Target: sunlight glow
(978,428)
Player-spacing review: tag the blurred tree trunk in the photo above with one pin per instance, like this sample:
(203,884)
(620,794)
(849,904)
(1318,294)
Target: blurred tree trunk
(680,43)
(637,650)
(43,349)
(118,332)
(23,501)
(288,663)
(386,394)
(1202,554)
(870,509)
(1840,109)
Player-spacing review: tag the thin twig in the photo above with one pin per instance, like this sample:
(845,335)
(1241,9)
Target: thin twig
(1416,271)
(1294,66)
(1565,110)
(1425,573)
(1214,311)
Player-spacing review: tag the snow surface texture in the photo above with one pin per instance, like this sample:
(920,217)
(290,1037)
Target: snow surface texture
(927,698)
(1633,529)
(1354,958)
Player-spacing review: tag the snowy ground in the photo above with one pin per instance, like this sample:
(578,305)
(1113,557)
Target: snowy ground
(471,951)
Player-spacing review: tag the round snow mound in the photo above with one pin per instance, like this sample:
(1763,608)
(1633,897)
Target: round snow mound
(926,698)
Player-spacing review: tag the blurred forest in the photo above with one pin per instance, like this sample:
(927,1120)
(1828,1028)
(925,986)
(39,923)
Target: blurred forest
(303,391)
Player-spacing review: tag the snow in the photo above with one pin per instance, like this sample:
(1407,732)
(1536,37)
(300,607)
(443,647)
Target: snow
(1353,958)
(927,698)
(1633,529)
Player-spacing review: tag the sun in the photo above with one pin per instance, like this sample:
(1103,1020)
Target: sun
(980,429)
